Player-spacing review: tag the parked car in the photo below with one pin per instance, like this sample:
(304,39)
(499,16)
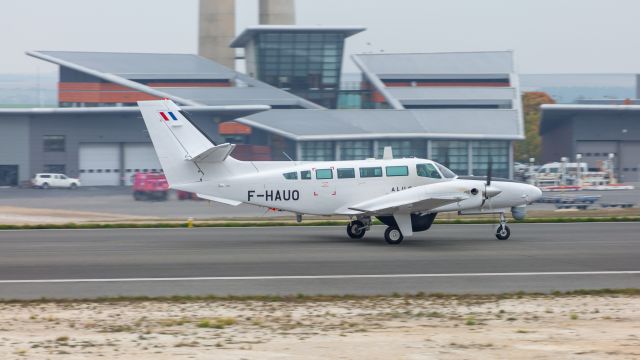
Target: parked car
(47,180)
(150,186)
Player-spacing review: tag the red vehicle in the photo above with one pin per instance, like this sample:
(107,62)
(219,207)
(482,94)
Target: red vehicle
(185,195)
(150,186)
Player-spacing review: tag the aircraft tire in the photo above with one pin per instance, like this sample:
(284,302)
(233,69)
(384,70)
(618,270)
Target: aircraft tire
(393,235)
(352,229)
(503,232)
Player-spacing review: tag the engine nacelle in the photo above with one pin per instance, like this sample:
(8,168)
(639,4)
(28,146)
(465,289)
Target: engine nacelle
(419,222)
(519,212)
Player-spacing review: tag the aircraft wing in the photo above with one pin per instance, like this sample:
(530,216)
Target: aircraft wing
(416,199)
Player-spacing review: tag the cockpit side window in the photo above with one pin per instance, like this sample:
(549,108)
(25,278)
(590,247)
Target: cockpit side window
(305,175)
(427,170)
(291,175)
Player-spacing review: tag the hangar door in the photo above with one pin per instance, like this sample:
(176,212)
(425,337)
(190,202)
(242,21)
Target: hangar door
(595,152)
(99,164)
(630,161)
(139,157)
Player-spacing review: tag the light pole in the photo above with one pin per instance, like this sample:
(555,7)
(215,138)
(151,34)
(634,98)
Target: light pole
(578,170)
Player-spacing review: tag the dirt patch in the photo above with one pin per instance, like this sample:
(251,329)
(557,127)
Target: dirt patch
(533,327)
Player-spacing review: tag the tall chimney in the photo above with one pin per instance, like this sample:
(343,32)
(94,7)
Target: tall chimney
(277,12)
(217,22)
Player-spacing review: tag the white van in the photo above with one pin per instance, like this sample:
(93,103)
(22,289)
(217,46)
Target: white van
(47,180)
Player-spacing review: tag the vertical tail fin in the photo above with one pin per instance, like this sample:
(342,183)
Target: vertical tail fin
(179,144)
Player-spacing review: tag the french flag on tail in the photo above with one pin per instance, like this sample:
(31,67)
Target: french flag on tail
(168,114)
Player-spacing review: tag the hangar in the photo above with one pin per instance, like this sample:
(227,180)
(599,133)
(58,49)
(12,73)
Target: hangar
(594,131)
(461,109)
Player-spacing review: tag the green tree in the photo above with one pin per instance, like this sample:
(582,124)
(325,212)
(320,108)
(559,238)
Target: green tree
(530,146)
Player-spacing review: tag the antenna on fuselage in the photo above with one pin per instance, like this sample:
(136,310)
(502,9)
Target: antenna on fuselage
(287,155)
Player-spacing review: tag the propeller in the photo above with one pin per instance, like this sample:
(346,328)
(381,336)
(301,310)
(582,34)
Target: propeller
(489,191)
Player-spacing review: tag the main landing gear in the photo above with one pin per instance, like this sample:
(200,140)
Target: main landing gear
(393,235)
(357,228)
(503,232)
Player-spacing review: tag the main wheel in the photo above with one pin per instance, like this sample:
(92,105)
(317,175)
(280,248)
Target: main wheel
(356,229)
(503,232)
(393,235)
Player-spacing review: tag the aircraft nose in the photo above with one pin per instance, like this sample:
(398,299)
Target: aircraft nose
(534,193)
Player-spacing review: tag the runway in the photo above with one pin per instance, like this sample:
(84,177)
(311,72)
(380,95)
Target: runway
(316,260)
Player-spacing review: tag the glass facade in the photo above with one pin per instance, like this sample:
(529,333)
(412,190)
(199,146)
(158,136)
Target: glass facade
(497,151)
(452,154)
(307,64)
(355,150)
(317,151)
(403,148)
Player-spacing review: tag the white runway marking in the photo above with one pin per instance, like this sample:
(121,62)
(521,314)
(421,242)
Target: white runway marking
(319,277)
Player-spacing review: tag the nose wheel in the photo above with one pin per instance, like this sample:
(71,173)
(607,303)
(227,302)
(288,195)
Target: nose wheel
(356,229)
(503,232)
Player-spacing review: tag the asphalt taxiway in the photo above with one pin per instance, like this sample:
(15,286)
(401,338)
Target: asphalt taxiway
(316,260)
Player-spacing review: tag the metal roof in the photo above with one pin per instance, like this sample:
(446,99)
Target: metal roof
(105,66)
(453,63)
(235,95)
(552,114)
(304,125)
(225,111)
(145,66)
(452,93)
(247,34)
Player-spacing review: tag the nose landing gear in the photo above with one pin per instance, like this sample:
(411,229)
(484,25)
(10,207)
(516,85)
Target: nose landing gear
(357,228)
(503,232)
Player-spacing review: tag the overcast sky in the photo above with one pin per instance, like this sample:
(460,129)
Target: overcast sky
(548,36)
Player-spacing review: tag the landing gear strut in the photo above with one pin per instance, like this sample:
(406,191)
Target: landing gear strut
(503,232)
(357,228)
(393,235)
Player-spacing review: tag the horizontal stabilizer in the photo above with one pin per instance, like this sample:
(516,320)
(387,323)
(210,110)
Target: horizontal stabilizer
(215,153)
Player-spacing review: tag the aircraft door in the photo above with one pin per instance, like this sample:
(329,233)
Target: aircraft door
(324,184)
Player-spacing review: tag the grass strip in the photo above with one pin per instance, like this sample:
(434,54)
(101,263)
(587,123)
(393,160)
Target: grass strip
(301,298)
(227,224)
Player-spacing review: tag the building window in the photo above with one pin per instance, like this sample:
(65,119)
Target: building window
(54,143)
(317,151)
(55,168)
(452,154)
(355,150)
(496,152)
(403,148)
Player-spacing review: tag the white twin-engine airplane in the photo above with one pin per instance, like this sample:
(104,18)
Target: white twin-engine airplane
(404,194)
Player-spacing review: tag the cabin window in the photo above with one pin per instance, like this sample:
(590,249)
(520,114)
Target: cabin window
(370,172)
(291,175)
(397,170)
(346,173)
(305,175)
(323,174)
(427,170)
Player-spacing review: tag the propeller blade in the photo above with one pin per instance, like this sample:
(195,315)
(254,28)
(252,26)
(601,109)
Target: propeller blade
(489,171)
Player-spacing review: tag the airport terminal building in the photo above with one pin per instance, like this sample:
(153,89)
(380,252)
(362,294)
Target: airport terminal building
(460,109)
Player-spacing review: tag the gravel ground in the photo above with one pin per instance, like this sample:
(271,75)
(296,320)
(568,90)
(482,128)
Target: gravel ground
(530,327)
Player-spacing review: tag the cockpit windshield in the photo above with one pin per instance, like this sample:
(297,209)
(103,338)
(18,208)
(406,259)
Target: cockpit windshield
(445,172)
